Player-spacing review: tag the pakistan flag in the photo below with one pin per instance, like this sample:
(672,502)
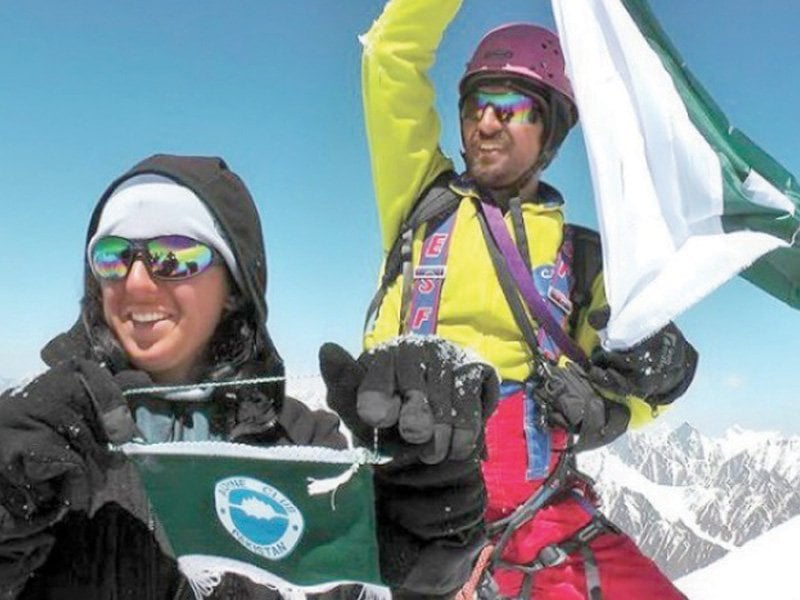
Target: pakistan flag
(685,200)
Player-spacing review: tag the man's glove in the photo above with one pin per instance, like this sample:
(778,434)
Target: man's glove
(55,434)
(428,403)
(425,397)
(573,404)
(658,370)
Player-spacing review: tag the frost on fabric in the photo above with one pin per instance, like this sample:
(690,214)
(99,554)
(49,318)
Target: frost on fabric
(446,351)
(366,39)
(468,367)
(18,388)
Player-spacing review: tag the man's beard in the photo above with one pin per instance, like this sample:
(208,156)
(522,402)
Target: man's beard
(488,174)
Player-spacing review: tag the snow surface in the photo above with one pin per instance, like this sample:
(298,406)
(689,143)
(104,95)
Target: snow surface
(762,568)
(737,439)
(309,388)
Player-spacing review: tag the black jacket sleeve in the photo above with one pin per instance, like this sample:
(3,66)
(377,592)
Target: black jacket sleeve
(50,460)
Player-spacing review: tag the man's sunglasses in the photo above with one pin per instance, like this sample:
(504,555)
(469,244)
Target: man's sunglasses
(509,106)
(167,257)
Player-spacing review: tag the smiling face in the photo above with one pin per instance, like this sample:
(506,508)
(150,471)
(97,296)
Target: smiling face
(499,152)
(164,327)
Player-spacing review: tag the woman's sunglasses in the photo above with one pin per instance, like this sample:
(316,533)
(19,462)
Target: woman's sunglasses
(167,257)
(509,106)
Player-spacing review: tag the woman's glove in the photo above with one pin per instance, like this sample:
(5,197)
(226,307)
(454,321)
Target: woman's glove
(427,403)
(55,434)
(573,404)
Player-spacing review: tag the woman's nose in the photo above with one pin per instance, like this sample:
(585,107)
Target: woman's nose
(139,278)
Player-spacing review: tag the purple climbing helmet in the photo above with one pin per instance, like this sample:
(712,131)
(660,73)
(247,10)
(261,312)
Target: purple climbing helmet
(530,57)
(526,53)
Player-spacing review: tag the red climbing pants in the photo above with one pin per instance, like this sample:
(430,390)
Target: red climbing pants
(620,570)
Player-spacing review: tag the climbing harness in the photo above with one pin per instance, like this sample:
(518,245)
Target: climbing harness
(543,309)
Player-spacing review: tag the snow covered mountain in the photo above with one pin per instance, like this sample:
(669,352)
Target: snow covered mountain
(688,499)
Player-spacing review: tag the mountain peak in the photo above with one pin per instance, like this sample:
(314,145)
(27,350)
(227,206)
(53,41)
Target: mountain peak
(689,439)
(686,430)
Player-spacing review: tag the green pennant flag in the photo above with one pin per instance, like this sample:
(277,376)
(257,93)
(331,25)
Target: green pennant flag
(685,201)
(297,519)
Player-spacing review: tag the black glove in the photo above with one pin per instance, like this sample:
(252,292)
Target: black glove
(55,434)
(427,400)
(573,404)
(658,369)
(429,403)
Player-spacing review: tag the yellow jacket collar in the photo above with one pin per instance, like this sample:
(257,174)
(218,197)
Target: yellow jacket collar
(547,197)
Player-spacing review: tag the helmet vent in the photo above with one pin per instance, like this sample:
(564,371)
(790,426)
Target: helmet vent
(498,53)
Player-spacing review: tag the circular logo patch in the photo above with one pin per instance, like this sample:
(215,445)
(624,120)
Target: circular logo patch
(258,516)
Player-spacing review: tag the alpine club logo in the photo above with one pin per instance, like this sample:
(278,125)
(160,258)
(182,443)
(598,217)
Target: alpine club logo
(258,516)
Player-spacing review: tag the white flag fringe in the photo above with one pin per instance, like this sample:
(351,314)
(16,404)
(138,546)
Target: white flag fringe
(205,573)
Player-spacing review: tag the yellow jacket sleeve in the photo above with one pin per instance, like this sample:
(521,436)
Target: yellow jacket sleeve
(401,121)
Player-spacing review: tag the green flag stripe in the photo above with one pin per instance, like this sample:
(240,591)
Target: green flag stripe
(778,272)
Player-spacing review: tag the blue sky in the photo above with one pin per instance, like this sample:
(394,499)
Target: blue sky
(89,88)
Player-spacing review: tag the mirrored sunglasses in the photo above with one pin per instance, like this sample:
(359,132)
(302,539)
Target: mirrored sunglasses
(509,106)
(167,257)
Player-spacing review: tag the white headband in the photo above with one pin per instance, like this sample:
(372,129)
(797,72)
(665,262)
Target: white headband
(147,206)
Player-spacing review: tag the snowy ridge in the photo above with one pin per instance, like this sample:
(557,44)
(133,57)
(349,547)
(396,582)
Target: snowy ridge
(688,499)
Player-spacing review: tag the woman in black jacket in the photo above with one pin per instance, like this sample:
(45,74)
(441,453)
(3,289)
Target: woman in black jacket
(174,293)
(175,284)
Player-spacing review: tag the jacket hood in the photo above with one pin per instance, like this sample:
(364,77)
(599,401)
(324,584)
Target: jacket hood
(229,201)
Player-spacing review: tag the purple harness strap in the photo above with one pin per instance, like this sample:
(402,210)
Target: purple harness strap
(522,277)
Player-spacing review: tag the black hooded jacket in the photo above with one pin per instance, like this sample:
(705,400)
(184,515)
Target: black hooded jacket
(111,546)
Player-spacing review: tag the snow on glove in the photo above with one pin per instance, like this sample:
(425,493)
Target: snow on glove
(429,403)
(55,434)
(573,404)
(658,369)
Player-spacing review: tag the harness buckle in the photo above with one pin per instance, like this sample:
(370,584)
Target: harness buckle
(430,271)
(551,555)
(560,299)
(592,530)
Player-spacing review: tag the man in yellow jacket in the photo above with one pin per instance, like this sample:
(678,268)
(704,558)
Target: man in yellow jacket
(484,259)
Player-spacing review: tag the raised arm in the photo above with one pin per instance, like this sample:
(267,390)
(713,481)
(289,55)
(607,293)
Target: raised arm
(401,122)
